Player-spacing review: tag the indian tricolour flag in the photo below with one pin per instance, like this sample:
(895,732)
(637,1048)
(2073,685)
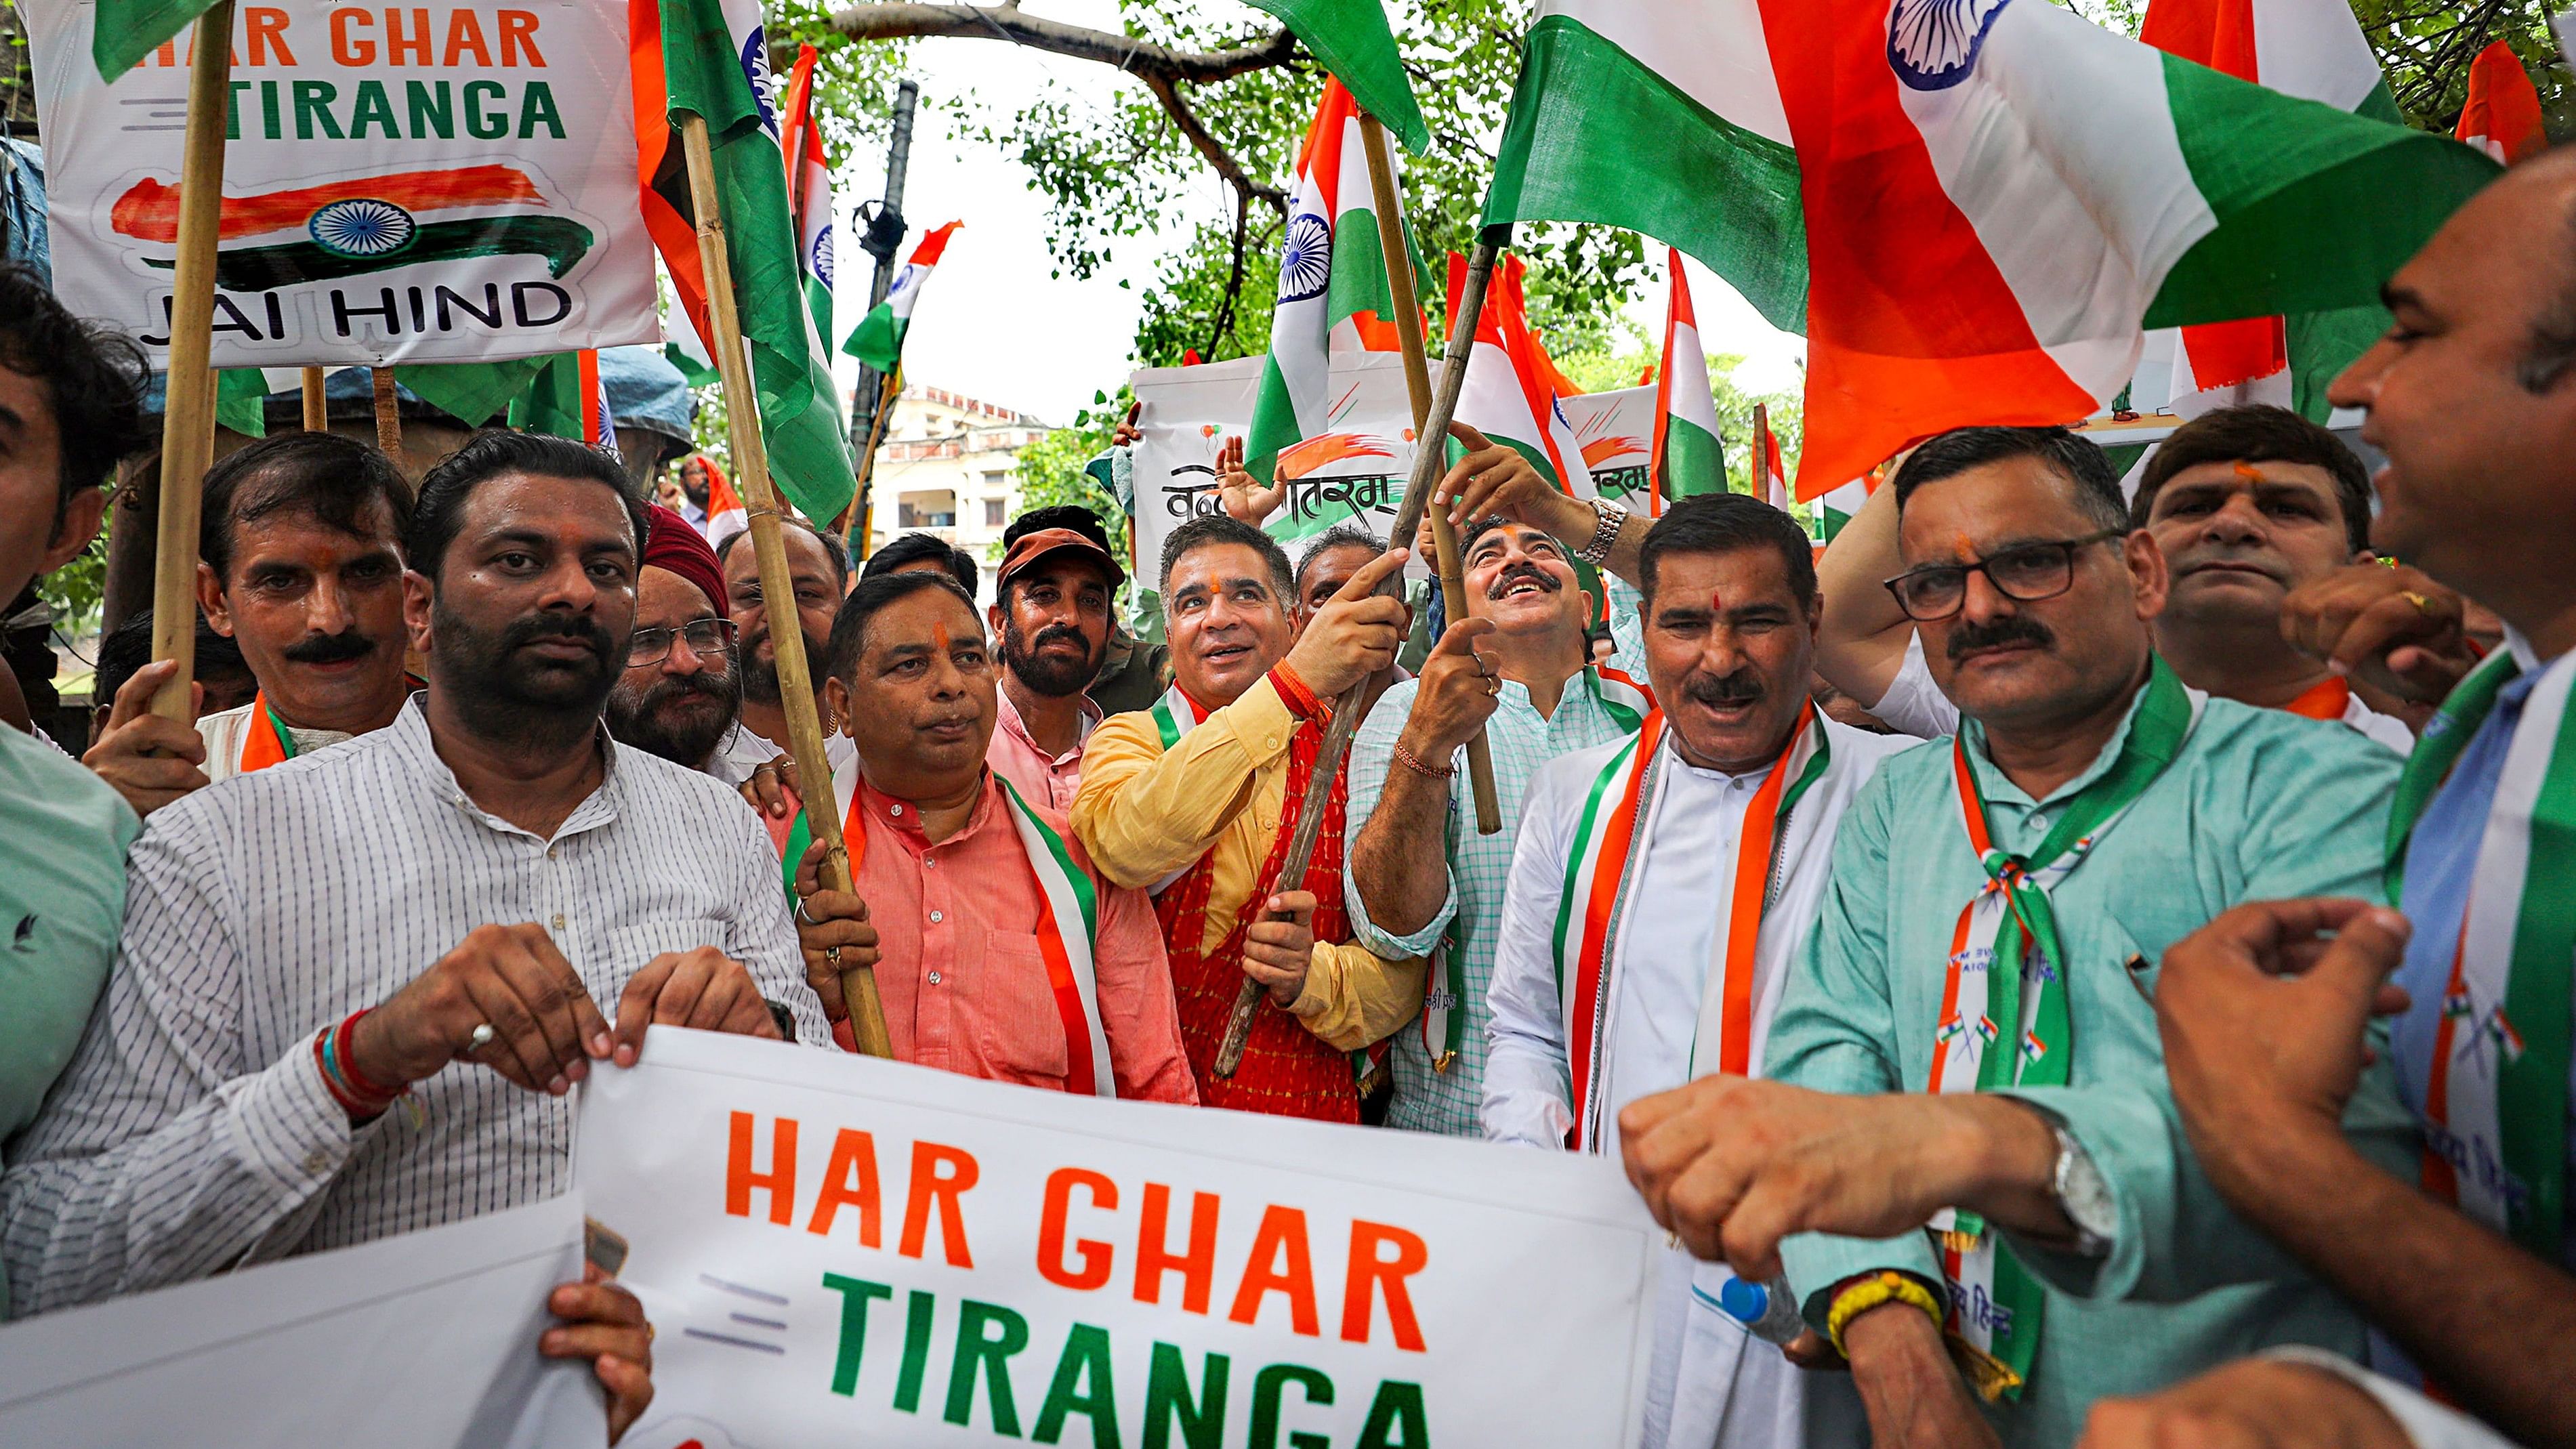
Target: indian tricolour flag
(1332,286)
(1770,471)
(1973,207)
(2502,115)
(2314,50)
(809,191)
(1842,503)
(711,58)
(1689,458)
(1511,386)
(1357,48)
(878,339)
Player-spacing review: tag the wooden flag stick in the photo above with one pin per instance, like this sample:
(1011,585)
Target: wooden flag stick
(786,630)
(388,414)
(856,536)
(1428,465)
(1417,381)
(188,401)
(317,412)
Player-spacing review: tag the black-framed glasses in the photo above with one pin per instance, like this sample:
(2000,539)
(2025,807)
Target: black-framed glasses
(652,646)
(2024,573)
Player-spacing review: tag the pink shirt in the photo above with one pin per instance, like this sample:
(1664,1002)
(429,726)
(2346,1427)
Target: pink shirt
(1045,781)
(964,986)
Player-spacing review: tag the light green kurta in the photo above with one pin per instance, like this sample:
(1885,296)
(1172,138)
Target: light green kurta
(2258,805)
(63,835)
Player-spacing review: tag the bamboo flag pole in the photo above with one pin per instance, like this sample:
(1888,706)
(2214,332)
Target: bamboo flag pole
(760,506)
(188,401)
(1428,464)
(856,536)
(1417,381)
(317,412)
(388,414)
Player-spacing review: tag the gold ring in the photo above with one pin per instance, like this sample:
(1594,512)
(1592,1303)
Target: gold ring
(2422,604)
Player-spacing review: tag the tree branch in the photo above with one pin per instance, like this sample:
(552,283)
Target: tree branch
(1145,58)
(1208,146)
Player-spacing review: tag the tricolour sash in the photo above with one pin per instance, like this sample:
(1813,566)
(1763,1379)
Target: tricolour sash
(2495,1098)
(266,741)
(2007,973)
(2329,698)
(1627,701)
(1175,715)
(1065,895)
(1601,870)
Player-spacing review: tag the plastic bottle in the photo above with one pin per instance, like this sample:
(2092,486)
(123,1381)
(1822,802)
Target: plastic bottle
(1768,1311)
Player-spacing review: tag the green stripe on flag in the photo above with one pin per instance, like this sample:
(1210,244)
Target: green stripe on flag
(878,339)
(1353,41)
(1694,462)
(553,403)
(1594,136)
(473,393)
(128,30)
(2315,207)
(241,401)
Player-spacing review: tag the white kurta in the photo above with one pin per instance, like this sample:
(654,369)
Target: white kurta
(1712,1383)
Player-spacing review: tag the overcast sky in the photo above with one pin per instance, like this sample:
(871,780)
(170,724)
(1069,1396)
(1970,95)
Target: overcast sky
(993,324)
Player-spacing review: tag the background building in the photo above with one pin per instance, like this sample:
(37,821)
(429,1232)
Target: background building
(948,467)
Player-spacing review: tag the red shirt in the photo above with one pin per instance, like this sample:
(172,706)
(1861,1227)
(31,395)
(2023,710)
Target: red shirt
(964,986)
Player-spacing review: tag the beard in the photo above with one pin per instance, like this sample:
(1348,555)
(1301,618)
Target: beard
(760,676)
(678,718)
(1051,678)
(509,697)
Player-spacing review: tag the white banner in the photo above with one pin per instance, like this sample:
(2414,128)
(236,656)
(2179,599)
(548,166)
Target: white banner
(839,1250)
(1617,433)
(423,1341)
(444,183)
(1356,470)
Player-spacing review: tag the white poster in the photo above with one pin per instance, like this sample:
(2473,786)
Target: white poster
(1357,469)
(1617,433)
(423,1341)
(839,1250)
(441,183)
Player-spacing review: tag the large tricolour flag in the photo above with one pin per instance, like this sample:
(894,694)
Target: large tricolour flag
(2314,50)
(1332,285)
(1511,387)
(1357,47)
(1689,457)
(878,339)
(1973,207)
(809,191)
(711,58)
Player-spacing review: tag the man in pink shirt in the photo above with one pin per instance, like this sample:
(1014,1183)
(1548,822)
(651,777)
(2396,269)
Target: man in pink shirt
(1051,617)
(999,951)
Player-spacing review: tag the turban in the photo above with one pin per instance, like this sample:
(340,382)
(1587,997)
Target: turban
(674,544)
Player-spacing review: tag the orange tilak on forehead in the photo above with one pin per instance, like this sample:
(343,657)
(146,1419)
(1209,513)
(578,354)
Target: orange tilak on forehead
(939,636)
(2248,472)
(1964,548)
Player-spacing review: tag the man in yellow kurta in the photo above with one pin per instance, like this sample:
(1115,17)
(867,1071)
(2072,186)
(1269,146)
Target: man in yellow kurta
(1197,797)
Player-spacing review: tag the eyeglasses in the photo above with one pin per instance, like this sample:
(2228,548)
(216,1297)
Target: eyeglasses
(2024,573)
(705,636)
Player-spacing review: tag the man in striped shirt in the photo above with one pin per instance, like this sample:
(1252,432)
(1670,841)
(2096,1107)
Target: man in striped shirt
(274,1071)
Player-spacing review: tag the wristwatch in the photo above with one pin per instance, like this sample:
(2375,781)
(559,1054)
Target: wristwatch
(2082,1195)
(1607,520)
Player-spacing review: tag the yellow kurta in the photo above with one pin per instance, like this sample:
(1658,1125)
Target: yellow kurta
(1144,815)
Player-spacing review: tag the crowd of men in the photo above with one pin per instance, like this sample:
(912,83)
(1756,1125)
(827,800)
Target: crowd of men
(2137,1013)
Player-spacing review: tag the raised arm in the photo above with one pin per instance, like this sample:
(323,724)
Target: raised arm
(1399,875)
(1862,643)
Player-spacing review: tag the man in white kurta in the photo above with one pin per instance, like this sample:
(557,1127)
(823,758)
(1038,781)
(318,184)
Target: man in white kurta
(1631,886)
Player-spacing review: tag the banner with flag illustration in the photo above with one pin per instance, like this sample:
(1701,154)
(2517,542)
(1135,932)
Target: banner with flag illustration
(2502,116)
(1512,386)
(809,191)
(878,339)
(438,184)
(711,58)
(1974,208)
(1615,432)
(1690,458)
(1332,285)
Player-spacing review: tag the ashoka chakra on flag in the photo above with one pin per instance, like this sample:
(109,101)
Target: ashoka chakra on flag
(1306,268)
(1932,44)
(362,227)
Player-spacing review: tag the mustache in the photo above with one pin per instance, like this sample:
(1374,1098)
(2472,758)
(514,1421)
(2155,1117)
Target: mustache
(523,632)
(1513,573)
(1053,632)
(330,648)
(714,684)
(2009,629)
(1741,687)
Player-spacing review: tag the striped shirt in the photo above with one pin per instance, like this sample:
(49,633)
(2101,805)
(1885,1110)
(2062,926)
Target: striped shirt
(1480,866)
(193,1132)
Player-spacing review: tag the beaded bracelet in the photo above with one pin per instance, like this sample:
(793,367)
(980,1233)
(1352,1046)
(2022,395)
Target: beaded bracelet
(1413,762)
(1864,1294)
